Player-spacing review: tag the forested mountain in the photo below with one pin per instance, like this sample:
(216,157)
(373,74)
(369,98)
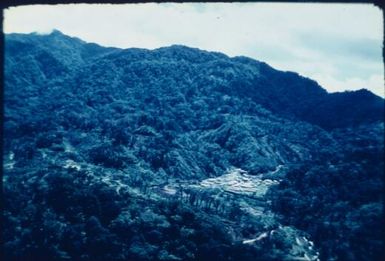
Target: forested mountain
(182,154)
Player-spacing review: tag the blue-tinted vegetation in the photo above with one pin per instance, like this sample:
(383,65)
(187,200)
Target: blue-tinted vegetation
(183,154)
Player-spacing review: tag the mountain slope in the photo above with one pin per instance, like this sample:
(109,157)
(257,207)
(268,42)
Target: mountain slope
(284,93)
(182,154)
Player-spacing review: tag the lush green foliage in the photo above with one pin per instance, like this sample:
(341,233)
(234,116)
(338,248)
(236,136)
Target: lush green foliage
(340,203)
(95,137)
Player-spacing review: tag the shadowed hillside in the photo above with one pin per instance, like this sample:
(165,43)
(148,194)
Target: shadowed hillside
(182,154)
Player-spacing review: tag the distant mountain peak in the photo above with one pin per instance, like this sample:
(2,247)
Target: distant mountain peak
(56,32)
(52,32)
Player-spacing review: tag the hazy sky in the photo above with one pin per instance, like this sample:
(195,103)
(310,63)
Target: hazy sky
(338,45)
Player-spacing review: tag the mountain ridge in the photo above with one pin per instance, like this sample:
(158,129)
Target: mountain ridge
(183,154)
(289,93)
(60,34)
